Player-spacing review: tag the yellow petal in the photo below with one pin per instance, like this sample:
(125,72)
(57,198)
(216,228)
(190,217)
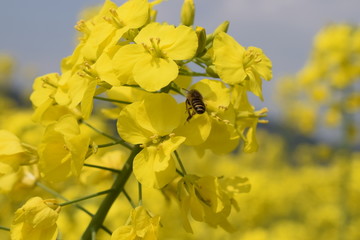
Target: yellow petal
(222,139)
(9,143)
(196,130)
(154,166)
(184,45)
(134,13)
(161,114)
(153,73)
(124,60)
(128,127)
(215,94)
(228,59)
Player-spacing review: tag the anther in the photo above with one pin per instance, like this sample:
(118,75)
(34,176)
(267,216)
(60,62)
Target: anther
(113,12)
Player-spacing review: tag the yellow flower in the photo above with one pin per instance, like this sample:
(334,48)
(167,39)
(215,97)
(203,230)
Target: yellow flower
(142,226)
(209,199)
(333,44)
(151,61)
(104,30)
(112,23)
(36,219)
(246,118)
(62,150)
(150,123)
(214,129)
(75,91)
(14,153)
(7,63)
(237,65)
(42,97)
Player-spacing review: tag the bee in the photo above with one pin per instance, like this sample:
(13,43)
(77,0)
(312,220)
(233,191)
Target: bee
(194,103)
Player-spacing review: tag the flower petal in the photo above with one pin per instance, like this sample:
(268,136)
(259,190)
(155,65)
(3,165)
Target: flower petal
(228,59)
(154,166)
(161,114)
(128,127)
(153,73)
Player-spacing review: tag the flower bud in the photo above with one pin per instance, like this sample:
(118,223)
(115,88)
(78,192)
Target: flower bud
(211,71)
(201,34)
(188,13)
(223,27)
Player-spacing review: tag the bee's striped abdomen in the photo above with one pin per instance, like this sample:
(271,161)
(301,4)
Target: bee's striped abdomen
(194,102)
(198,106)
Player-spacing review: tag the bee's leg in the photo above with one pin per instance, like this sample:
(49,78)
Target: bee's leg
(188,108)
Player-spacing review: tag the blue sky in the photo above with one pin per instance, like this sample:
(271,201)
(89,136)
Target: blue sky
(39,33)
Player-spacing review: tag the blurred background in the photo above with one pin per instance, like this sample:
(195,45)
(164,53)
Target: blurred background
(306,176)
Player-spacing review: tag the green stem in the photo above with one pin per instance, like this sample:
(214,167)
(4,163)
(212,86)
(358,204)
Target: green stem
(180,163)
(101,167)
(194,74)
(180,172)
(176,90)
(116,140)
(129,199)
(101,132)
(122,142)
(111,100)
(49,190)
(4,228)
(140,193)
(199,64)
(118,187)
(86,197)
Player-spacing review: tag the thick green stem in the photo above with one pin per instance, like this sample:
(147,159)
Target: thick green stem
(106,204)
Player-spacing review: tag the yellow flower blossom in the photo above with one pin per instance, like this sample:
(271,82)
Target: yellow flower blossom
(246,118)
(62,150)
(36,219)
(142,226)
(14,153)
(151,123)
(200,129)
(209,199)
(237,65)
(42,97)
(113,23)
(151,61)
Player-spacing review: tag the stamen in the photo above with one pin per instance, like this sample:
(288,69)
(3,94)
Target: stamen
(154,49)
(47,82)
(113,12)
(263,121)
(81,26)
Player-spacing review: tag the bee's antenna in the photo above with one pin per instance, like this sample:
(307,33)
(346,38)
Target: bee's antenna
(185,89)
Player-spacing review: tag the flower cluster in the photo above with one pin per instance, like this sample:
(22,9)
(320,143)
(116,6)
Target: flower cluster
(325,92)
(142,67)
